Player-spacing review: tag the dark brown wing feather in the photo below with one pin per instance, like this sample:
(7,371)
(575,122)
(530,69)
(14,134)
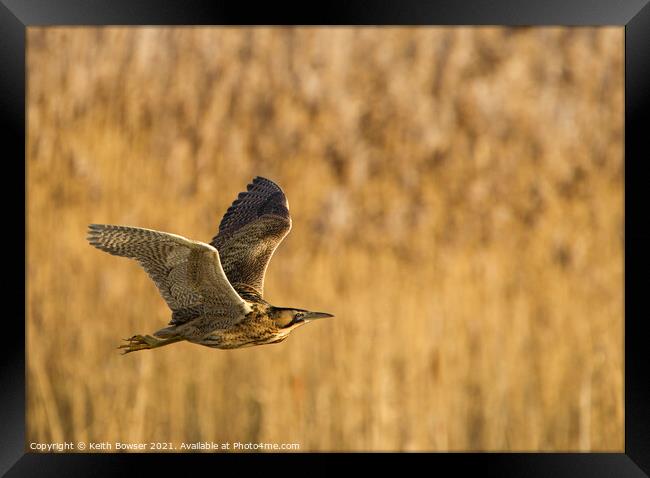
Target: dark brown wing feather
(250,231)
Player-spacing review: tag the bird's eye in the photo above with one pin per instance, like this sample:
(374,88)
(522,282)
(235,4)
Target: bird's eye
(293,320)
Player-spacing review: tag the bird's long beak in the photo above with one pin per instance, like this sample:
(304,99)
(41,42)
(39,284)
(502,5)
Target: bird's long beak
(316,315)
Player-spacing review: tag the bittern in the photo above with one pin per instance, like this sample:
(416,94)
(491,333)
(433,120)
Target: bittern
(215,291)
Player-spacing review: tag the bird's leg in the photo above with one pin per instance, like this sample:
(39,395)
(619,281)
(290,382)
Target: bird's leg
(144,342)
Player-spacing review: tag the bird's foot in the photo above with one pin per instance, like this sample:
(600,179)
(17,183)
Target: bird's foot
(139,342)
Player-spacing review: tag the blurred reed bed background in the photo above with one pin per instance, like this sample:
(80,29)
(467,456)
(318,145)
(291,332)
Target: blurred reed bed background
(457,196)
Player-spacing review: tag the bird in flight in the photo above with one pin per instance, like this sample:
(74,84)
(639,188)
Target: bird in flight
(215,291)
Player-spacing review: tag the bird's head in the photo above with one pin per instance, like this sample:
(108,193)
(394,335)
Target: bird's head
(289,318)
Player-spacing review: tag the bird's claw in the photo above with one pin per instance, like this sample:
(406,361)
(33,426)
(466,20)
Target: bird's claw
(135,343)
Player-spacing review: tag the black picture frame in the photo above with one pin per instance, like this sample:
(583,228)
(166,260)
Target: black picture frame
(633,15)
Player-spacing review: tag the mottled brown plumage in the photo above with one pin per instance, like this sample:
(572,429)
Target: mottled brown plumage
(215,291)
(250,231)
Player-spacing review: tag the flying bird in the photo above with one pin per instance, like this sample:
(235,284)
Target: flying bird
(215,291)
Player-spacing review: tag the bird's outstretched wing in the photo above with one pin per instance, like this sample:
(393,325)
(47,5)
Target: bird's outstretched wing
(250,231)
(187,273)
